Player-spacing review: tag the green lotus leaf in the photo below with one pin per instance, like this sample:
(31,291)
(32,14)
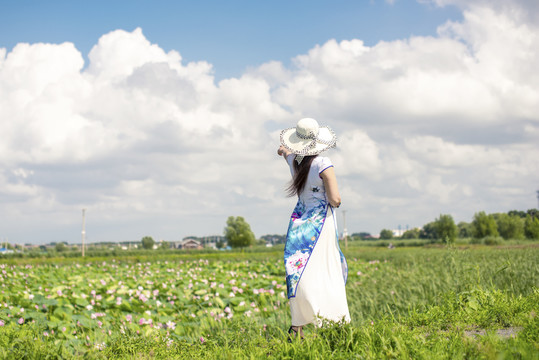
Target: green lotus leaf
(50,302)
(201,292)
(237,300)
(219,302)
(81,302)
(83,320)
(126,306)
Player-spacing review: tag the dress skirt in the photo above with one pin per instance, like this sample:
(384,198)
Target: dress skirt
(321,290)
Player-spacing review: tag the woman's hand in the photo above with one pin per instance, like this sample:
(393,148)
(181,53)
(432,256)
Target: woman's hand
(282,151)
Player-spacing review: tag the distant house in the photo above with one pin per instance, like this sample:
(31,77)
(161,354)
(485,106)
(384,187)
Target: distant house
(187,244)
(175,244)
(6,251)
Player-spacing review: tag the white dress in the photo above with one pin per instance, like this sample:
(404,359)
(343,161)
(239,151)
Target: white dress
(320,288)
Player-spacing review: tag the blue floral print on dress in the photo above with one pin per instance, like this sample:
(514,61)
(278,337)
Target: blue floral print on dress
(303,232)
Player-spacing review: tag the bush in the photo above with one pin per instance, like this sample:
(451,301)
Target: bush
(476,241)
(492,240)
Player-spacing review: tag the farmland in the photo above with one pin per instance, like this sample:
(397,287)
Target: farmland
(445,302)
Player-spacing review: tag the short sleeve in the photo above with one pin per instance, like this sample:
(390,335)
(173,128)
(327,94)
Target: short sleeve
(324,164)
(290,160)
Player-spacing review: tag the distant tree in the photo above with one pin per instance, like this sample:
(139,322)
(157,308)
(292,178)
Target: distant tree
(534,213)
(274,239)
(428,231)
(411,234)
(220,244)
(386,234)
(238,232)
(362,235)
(147,242)
(164,245)
(510,226)
(464,229)
(445,228)
(521,214)
(531,227)
(60,247)
(484,225)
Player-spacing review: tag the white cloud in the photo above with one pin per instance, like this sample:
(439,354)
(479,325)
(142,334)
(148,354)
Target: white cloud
(151,145)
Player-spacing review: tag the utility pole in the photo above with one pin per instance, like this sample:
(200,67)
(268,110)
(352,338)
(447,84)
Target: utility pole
(345,231)
(83,230)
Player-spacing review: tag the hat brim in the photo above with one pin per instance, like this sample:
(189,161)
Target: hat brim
(293,143)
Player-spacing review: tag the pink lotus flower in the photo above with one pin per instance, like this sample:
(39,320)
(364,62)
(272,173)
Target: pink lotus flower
(202,340)
(171,325)
(21,321)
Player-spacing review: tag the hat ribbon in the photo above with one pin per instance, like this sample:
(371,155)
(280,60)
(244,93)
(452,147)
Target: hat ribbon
(310,136)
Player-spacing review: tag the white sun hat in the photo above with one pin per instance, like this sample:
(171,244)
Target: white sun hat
(308,138)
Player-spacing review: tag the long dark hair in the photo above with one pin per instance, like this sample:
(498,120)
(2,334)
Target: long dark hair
(301,172)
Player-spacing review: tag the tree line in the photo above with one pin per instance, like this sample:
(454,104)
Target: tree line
(484,228)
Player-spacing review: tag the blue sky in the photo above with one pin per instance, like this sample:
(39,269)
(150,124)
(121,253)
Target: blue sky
(231,35)
(434,103)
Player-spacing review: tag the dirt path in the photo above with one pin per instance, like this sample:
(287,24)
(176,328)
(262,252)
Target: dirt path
(503,333)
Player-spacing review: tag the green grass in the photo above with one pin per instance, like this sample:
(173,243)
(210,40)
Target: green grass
(410,303)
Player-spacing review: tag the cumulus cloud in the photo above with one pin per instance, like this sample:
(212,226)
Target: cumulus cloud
(149,144)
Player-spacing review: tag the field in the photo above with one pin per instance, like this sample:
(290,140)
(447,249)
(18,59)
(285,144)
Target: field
(413,303)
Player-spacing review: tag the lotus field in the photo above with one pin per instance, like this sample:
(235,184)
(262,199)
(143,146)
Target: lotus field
(405,302)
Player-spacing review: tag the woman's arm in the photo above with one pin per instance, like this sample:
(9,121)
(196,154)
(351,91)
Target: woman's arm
(330,183)
(283,152)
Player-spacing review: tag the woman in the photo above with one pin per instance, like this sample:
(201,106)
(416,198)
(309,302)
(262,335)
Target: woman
(316,269)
